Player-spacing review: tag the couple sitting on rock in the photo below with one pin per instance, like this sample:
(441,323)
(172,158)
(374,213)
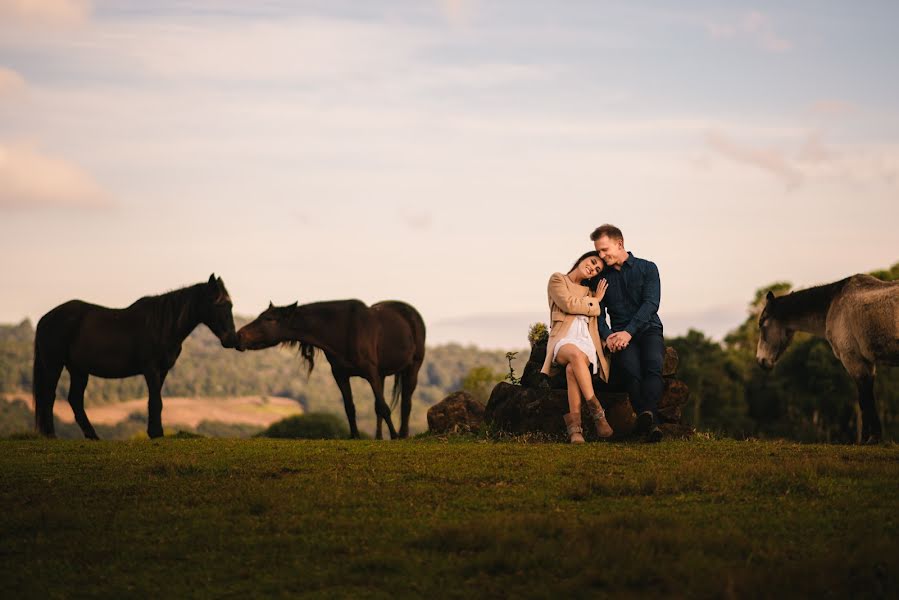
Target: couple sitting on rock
(614,281)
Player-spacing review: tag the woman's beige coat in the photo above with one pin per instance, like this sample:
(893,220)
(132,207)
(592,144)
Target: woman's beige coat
(567,300)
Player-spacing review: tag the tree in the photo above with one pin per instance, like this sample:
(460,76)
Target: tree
(717,401)
(480,381)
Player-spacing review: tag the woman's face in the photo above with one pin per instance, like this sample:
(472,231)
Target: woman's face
(589,267)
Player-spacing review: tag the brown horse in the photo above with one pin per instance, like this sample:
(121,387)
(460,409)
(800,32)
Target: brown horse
(143,339)
(387,338)
(859,317)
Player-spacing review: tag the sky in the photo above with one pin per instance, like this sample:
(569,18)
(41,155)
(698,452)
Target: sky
(452,154)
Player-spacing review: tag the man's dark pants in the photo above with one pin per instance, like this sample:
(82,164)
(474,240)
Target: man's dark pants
(638,370)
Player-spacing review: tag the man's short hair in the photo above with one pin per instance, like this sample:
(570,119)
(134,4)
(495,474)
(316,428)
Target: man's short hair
(610,231)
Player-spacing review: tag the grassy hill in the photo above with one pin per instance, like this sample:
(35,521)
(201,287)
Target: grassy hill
(447,518)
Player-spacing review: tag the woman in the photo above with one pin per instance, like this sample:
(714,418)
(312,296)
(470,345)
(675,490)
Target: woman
(574,340)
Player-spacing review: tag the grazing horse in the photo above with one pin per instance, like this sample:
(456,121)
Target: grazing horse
(143,339)
(859,317)
(387,338)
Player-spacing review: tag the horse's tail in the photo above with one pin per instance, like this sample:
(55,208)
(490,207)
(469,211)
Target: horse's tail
(43,390)
(398,388)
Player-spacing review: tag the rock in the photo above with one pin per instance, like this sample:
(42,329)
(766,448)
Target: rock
(673,400)
(457,412)
(669,364)
(533,378)
(519,410)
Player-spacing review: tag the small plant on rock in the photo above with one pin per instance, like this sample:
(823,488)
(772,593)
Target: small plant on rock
(538,334)
(510,356)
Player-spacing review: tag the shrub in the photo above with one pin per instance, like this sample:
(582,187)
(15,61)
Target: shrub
(311,426)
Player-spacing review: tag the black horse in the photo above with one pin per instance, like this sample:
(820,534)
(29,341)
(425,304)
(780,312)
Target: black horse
(143,339)
(387,338)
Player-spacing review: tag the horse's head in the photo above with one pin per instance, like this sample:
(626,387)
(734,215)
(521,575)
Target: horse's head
(216,312)
(268,329)
(774,336)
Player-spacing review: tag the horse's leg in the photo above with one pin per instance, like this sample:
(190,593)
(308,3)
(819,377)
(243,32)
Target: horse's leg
(76,401)
(343,383)
(408,381)
(381,408)
(379,435)
(863,373)
(871,428)
(154,405)
(46,376)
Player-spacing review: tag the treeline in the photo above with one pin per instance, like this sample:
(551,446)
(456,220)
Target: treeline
(205,369)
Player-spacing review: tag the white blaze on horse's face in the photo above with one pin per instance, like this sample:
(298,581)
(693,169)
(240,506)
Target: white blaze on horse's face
(774,337)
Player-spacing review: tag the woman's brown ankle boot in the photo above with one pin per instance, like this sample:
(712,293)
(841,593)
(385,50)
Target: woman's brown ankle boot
(573,424)
(594,408)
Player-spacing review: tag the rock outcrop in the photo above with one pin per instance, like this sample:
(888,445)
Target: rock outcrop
(457,412)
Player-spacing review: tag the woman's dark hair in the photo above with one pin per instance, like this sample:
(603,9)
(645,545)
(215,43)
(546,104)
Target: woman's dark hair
(593,281)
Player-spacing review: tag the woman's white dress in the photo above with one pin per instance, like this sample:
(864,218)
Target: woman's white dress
(579,335)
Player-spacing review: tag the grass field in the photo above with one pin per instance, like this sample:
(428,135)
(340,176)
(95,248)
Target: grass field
(446,518)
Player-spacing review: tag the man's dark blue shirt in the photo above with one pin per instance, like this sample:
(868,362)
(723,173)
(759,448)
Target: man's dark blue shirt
(632,300)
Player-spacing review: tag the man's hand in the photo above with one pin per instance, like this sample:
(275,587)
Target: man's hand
(618,341)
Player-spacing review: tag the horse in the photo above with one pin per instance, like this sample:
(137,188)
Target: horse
(372,342)
(143,339)
(858,316)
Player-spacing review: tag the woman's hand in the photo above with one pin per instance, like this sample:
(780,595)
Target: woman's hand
(600,292)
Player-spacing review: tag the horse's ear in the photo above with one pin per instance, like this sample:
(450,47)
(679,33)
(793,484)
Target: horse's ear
(294,305)
(211,279)
(770,296)
(270,305)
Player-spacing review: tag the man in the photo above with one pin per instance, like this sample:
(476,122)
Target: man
(635,336)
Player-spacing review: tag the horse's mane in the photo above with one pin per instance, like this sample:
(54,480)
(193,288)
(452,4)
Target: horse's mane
(306,351)
(167,311)
(810,299)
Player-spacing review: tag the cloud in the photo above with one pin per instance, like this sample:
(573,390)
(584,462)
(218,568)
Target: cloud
(30,179)
(416,219)
(769,160)
(754,26)
(45,12)
(457,12)
(313,50)
(814,150)
(831,107)
(11,83)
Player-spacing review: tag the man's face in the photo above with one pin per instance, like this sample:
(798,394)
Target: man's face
(610,251)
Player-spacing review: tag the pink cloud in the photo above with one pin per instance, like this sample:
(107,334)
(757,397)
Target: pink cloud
(45,12)
(30,179)
(11,83)
(754,26)
(769,160)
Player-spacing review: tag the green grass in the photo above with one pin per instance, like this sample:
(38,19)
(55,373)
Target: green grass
(431,517)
